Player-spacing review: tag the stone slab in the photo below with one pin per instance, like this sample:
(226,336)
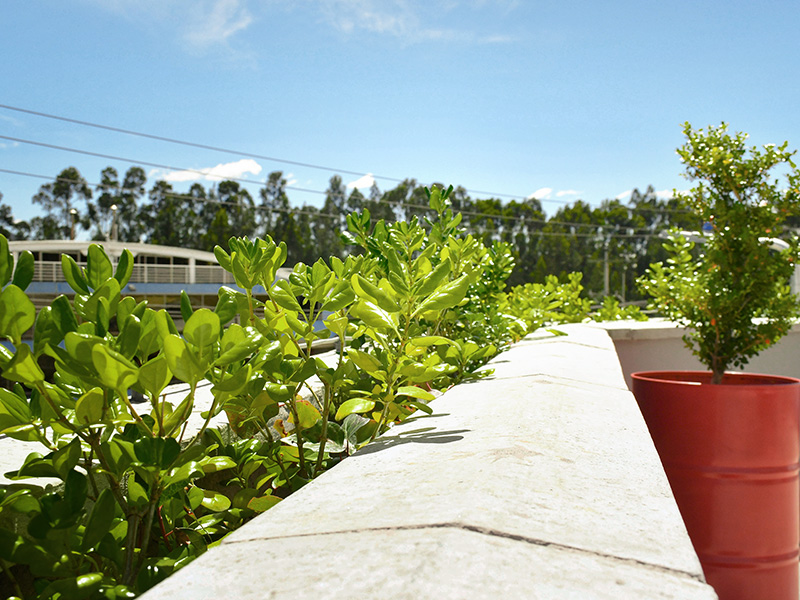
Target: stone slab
(441,563)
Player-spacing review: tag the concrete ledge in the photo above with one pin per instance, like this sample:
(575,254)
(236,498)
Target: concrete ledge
(540,482)
(657,345)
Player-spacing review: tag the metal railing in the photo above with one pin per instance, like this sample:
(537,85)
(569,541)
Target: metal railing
(50,271)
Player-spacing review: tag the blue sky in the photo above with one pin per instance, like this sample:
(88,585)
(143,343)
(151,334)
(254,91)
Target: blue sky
(559,99)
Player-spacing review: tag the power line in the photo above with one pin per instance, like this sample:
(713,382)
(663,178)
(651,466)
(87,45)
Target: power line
(234,152)
(257,182)
(300,211)
(239,153)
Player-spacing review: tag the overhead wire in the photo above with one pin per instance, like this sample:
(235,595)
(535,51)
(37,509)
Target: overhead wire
(232,151)
(243,153)
(253,181)
(602,231)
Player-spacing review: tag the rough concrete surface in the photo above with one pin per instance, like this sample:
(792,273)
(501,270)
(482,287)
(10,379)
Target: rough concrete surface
(538,482)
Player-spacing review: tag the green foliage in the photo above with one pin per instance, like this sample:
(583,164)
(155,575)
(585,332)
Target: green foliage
(732,292)
(140,493)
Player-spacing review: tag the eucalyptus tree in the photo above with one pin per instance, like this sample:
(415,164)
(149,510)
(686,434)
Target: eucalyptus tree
(116,212)
(64,202)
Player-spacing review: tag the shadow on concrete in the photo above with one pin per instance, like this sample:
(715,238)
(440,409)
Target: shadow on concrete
(425,435)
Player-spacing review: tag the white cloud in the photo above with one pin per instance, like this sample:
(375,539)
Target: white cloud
(541,194)
(409,19)
(214,22)
(233,170)
(562,193)
(199,23)
(662,194)
(624,195)
(363,183)
(12,120)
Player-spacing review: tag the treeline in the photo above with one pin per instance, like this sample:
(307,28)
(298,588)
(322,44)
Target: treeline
(610,244)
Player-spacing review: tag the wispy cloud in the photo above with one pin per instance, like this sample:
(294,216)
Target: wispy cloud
(661,194)
(200,24)
(562,193)
(410,20)
(624,195)
(541,194)
(11,120)
(362,183)
(213,22)
(232,170)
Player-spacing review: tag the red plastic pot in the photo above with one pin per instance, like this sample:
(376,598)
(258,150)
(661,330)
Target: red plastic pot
(731,452)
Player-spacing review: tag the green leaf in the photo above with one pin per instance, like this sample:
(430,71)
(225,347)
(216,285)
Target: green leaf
(202,329)
(157,451)
(46,331)
(17,313)
(227,304)
(34,465)
(128,339)
(154,376)
(223,258)
(354,405)
(423,407)
(263,503)
(431,340)
(74,275)
(374,316)
(433,279)
(98,266)
(215,502)
(212,464)
(77,588)
(79,346)
(307,413)
(24,368)
(374,294)
(178,417)
(183,474)
(414,392)
(116,371)
(137,495)
(341,296)
(66,458)
(23,274)
(283,296)
(182,361)
(237,344)
(89,407)
(124,268)
(6,261)
(14,406)
(365,361)
(186,306)
(88,307)
(235,382)
(100,520)
(63,315)
(446,297)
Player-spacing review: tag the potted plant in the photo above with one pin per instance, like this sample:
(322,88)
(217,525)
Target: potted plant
(729,441)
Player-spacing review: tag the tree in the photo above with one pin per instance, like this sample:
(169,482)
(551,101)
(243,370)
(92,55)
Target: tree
(125,196)
(170,217)
(59,199)
(274,204)
(332,220)
(229,212)
(9,226)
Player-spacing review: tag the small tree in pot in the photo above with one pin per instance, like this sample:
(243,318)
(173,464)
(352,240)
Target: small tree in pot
(734,298)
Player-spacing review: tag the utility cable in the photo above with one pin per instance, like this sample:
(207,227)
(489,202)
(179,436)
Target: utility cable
(248,154)
(301,211)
